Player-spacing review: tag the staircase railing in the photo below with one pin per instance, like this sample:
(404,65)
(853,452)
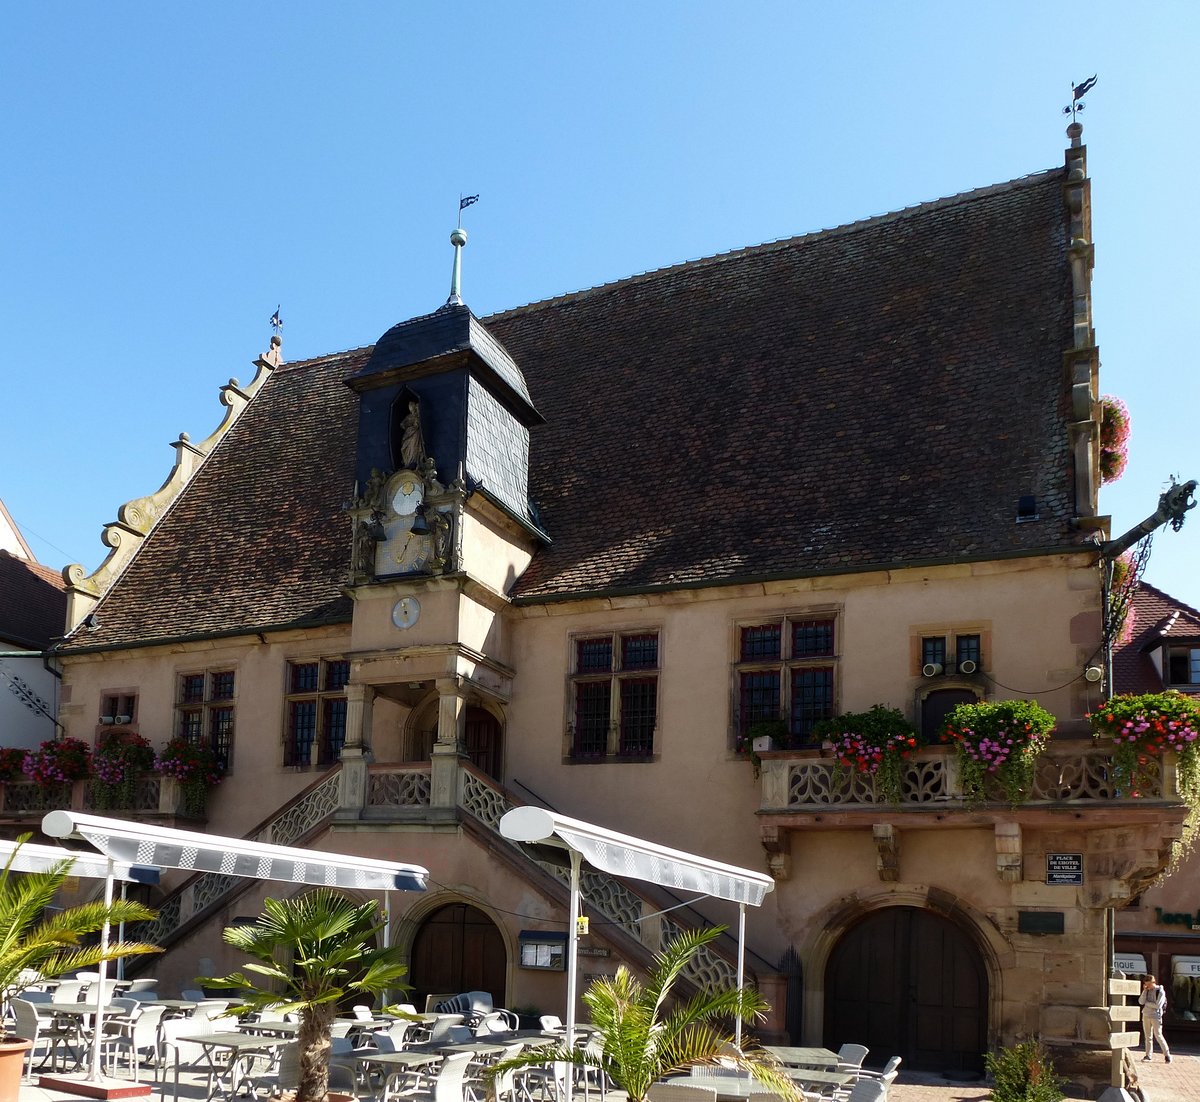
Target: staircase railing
(198,896)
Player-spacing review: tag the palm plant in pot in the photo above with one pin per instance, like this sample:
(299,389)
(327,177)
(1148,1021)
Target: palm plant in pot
(35,944)
(309,953)
(649,1033)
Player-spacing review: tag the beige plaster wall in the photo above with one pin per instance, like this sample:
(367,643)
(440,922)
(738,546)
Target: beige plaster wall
(257,784)
(490,551)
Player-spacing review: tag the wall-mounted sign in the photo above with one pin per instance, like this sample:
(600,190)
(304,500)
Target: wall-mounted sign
(1041,922)
(543,949)
(1064,868)
(593,951)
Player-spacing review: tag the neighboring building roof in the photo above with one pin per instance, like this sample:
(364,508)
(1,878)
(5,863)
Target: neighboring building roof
(11,538)
(33,606)
(1157,618)
(875,395)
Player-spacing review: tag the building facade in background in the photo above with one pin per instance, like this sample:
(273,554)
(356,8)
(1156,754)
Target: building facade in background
(578,552)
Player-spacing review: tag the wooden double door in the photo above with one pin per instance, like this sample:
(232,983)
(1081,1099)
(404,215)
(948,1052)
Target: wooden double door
(458,948)
(908,982)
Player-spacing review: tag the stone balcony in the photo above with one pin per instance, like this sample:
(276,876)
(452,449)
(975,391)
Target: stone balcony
(1073,790)
(158,799)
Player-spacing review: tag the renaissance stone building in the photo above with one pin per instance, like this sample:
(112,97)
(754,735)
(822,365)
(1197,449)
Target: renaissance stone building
(573,553)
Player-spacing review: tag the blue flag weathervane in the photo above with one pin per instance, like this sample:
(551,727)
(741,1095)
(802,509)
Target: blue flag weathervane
(1078,91)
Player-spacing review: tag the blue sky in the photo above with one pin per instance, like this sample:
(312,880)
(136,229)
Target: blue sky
(172,171)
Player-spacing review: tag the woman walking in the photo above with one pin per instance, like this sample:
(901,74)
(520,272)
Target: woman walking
(1153,1001)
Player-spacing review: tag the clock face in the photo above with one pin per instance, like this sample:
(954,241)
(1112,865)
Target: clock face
(414,552)
(407,497)
(406,612)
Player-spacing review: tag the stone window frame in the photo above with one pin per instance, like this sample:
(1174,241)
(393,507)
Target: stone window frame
(326,697)
(621,678)
(786,663)
(205,710)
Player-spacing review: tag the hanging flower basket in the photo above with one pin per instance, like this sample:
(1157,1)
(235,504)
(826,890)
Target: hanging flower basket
(195,768)
(998,740)
(875,743)
(1143,726)
(1114,438)
(61,761)
(119,760)
(12,763)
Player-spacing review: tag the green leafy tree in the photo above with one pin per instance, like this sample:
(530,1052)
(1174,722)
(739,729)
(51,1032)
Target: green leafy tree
(33,944)
(647,1033)
(328,942)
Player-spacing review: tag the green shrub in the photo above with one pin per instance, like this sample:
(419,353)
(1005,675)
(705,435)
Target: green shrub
(1024,1073)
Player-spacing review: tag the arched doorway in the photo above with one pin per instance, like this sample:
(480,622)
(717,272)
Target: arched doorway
(458,948)
(908,982)
(483,744)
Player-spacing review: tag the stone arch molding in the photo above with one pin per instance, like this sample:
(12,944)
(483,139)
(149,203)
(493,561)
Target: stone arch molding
(829,925)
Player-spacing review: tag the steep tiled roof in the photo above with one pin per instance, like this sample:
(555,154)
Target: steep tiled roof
(33,605)
(1157,618)
(883,393)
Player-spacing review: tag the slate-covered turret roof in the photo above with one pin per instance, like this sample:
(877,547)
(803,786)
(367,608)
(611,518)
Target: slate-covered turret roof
(876,395)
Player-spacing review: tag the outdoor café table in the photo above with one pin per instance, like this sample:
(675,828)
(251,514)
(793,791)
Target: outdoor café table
(803,1057)
(480,1048)
(270,1029)
(238,1046)
(394,1064)
(730,1088)
(176,1008)
(819,1079)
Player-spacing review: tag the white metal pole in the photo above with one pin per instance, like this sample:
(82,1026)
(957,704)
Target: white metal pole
(572,961)
(121,932)
(102,982)
(741,969)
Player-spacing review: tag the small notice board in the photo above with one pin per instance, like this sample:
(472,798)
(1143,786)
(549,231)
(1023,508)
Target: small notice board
(1064,868)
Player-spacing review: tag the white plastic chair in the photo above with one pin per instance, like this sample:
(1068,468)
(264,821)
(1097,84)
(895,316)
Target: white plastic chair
(850,1057)
(680,1092)
(133,1034)
(47,1038)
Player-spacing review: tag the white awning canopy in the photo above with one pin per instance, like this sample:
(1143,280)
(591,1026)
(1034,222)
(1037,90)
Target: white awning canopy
(28,857)
(622,855)
(184,849)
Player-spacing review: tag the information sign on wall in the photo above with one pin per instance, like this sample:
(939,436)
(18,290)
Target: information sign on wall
(1064,868)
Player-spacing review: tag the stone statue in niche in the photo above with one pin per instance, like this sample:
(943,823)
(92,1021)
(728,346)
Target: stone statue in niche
(439,526)
(367,534)
(412,441)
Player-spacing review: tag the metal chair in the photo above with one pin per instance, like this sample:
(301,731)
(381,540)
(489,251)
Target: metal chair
(850,1057)
(680,1092)
(134,1034)
(449,1086)
(46,1036)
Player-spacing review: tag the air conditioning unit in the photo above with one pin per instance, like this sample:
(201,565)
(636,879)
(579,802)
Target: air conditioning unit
(967,666)
(931,669)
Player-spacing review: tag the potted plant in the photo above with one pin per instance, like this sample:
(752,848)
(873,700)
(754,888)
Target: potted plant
(119,760)
(12,762)
(1142,726)
(998,739)
(58,763)
(35,942)
(328,942)
(195,767)
(648,1033)
(1114,438)
(875,743)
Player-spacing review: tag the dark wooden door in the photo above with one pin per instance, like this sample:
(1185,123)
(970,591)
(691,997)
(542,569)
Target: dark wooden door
(457,948)
(907,982)
(483,741)
(939,704)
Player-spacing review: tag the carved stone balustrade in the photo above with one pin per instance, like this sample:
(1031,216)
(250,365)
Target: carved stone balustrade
(1071,771)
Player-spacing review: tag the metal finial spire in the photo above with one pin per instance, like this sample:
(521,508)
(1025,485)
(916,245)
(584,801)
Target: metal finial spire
(458,238)
(1078,91)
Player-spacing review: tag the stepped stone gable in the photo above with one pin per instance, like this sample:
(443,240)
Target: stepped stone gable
(258,538)
(882,393)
